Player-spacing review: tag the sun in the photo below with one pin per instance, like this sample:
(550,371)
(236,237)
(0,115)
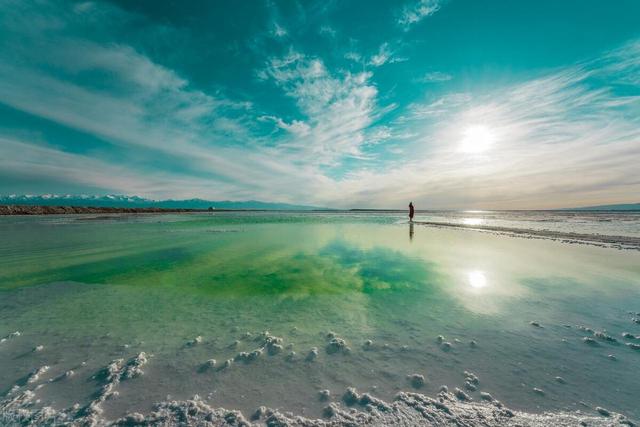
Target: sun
(477,139)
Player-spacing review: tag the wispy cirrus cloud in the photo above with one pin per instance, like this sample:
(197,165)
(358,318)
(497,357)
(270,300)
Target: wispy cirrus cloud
(382,57)
(278,30)
(337,107)
(415,11)
(434,77)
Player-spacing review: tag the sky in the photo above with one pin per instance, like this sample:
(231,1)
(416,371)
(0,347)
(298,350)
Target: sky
(451,104)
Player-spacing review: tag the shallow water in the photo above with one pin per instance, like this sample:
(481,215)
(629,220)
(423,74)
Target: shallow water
(610,223)
(94,288)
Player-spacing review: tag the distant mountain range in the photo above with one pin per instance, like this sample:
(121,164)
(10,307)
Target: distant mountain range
(619,207)
(121,201)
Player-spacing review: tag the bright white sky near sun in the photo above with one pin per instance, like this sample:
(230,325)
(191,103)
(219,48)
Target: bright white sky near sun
(451,104)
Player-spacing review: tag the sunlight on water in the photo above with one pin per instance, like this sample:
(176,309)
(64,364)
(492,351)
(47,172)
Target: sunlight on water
(90,289)
(477,279)
(472,221)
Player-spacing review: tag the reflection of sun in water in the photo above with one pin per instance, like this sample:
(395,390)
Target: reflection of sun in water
(472,221)
(477,279)
(476,139)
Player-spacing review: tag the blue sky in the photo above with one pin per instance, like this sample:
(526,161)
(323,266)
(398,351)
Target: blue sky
(452,104)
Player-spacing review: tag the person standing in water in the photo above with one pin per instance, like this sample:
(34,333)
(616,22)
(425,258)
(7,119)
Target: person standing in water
(411,211)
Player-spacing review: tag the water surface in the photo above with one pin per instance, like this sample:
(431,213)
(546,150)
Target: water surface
(94,288)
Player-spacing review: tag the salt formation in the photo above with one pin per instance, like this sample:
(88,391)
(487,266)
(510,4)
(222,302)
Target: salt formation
(351,398)
(226,365)
(267,343)
(633,346)
(406,409)
(461,395)
(486,396)
(38,348)
(585,328)
(111,376)
(471,378)
(270,343)
(313,354)
(197,340)
(35,375)
(416,380)
(604,336)
(211,363)
(67,374)
(560,380)
(11,335)
(337,344)
(471,381)
(325,394)
(539,391)
(469,386)
(535,323)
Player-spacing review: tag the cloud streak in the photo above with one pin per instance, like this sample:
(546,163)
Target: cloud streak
(416,11)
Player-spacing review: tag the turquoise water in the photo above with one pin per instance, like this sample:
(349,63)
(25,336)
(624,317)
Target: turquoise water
(93,288)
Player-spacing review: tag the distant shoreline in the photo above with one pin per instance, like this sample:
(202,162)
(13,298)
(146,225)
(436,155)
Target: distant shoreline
(77,210)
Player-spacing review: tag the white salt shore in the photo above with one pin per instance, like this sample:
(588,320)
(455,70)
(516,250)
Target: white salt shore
(19,407)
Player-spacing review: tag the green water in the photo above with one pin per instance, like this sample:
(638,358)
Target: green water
(94,288)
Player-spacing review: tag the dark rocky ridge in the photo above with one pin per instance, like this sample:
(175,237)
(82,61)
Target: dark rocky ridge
(61,210)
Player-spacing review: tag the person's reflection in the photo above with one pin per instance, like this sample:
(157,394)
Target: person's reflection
(411,231)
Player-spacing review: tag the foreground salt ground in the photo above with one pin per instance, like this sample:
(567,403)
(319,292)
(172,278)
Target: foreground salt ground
(20,408)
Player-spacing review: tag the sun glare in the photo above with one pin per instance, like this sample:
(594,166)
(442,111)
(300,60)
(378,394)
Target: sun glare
(472,221)
(477,279)
(477,139)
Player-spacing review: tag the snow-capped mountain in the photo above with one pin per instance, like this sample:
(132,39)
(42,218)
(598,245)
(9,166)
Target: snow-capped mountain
(125,201)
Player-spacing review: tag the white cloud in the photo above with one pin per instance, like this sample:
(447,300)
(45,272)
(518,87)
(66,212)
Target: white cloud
(353,56)
(382,57)
(278,31)
(560,140)
(434,77)
(416,11)
(296,127)
(328,31)
(385,56)
(339,107)
(146,107)
(443,105)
